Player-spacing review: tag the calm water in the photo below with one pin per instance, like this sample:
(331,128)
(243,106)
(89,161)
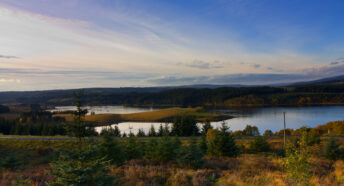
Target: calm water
(264,118)
(106,109)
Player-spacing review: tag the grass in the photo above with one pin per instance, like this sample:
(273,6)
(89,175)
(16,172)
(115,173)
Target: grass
(243,170)
(247,169)
(164,115)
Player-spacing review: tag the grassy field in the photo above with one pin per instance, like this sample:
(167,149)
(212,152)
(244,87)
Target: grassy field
(247,169)
(164,115)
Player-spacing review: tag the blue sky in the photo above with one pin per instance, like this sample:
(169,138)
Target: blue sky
(47,44)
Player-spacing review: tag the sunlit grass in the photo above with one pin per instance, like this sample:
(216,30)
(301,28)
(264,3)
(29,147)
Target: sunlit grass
(163,115)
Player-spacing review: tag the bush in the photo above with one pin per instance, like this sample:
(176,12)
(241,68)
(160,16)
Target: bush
(260,145)
(331,150)
(268,133)
(133,150)
(11,162)
(221,143)
(297,161)
(150,151)
(75,167)
(111,150)
(190,156)
(166,149)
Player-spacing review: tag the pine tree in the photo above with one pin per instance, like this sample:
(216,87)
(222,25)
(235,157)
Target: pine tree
(152,132)
(117,132)
(259,144)
(190,156)
(222,143)
(161,130)
(331,150)
(166,149)
(141,133)
(81,166)
(132,149)
(124,135)
(111,150)
(151,149)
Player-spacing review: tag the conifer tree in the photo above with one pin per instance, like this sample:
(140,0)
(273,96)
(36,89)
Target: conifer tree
(190,156)
(152,132)
(111,150)
(81,166)
(132,149)
(222,143)
(161,130)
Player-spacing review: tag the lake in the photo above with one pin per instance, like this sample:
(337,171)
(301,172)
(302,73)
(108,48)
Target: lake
(264,118)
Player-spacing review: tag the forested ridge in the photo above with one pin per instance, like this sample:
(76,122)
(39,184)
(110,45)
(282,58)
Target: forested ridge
(225,96)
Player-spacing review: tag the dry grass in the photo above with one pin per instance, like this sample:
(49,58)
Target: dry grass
(151,116)
(243,170)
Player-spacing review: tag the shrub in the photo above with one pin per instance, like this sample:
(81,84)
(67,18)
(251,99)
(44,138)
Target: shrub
(11,161)
(81,168)
(268,133)
(190,156)
(150,151)
(331,150)
(203,144)
(259,145)
(221,143)
(297,162)
(166,149)
(111,150)
(132,149)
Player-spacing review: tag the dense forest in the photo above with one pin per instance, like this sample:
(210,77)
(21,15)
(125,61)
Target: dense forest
(225,96)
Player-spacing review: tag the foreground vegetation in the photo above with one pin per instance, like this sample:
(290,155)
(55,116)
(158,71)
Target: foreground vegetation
(166,161)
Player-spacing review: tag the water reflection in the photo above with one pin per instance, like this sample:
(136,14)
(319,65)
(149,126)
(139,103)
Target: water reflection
(264,118)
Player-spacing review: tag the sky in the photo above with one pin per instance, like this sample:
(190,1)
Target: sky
(49,44)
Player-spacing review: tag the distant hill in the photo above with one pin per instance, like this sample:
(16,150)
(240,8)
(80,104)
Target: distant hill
(336,80)
(326,91)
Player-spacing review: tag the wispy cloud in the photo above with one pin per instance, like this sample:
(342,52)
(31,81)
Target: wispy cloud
(256,65)
(334,63)
(4,80)
(203,64)
(8,57)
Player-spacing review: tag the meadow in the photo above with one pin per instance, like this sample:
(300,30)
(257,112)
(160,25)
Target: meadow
(30,164)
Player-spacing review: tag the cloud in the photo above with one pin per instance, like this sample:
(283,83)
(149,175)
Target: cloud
(244,79)
(8,57)
(203,64)
(256,65)
(334,63)
(326,70)
(4,80)
(275,69)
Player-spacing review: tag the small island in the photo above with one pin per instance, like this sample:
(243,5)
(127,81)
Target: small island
(163,115)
